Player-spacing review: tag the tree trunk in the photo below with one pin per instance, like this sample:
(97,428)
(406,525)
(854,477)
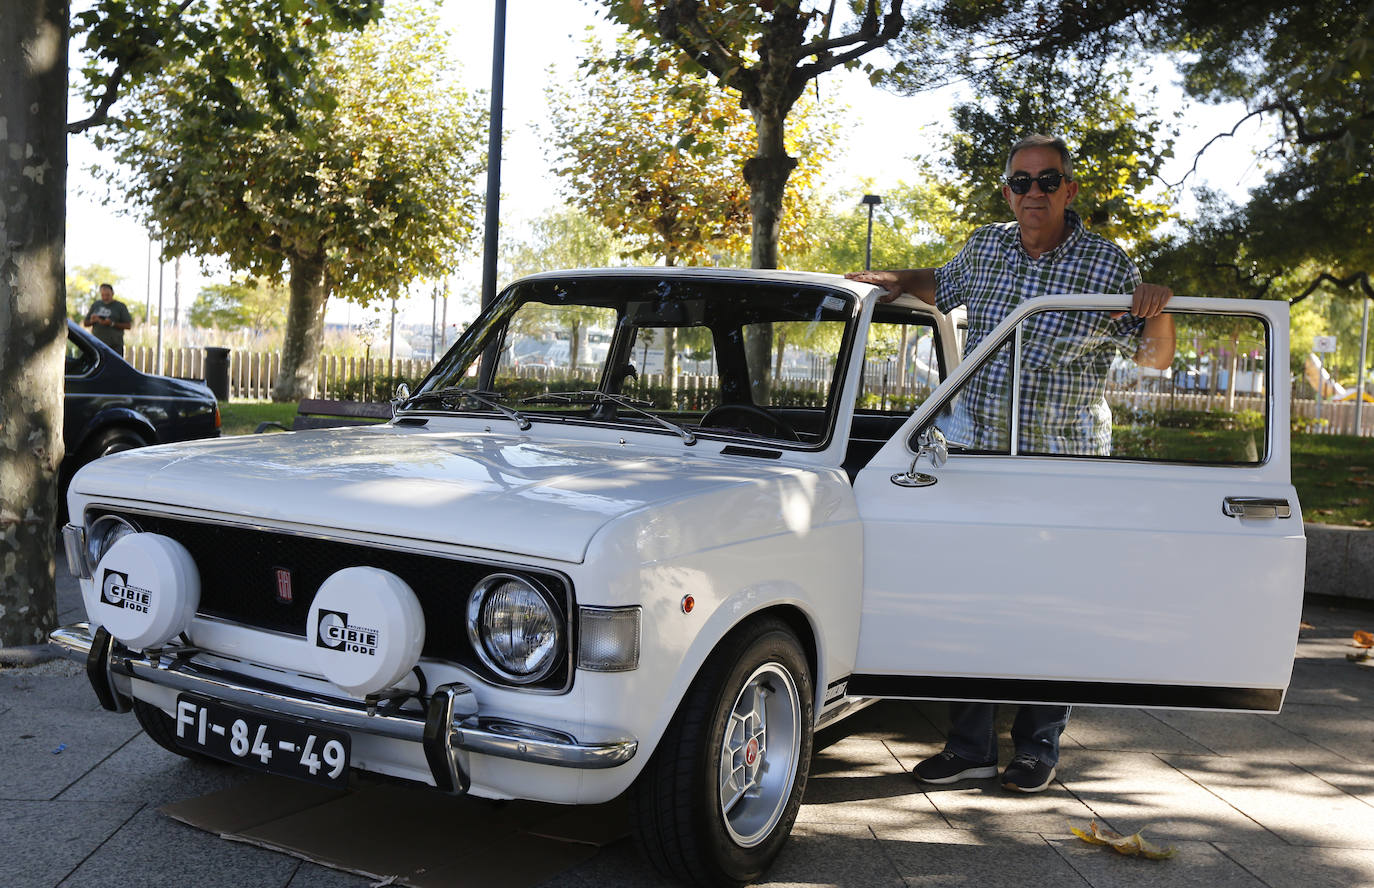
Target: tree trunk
(33,333)
(300,351)
(766,172)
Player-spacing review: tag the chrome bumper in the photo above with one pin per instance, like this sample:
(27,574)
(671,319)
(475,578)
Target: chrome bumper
(450,728)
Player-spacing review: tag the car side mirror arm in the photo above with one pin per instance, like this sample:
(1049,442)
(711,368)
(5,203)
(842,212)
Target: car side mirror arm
(930,443)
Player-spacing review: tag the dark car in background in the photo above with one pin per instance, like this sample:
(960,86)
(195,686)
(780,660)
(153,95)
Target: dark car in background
(110,406)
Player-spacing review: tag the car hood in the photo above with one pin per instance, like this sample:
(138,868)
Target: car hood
(503,492)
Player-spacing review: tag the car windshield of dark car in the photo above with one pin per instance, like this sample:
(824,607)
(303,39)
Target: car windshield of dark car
(713,358)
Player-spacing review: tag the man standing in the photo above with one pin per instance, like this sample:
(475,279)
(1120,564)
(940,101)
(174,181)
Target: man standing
(1046,250)
(109,318)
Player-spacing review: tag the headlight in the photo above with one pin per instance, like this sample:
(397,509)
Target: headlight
(103,533)
(515,628)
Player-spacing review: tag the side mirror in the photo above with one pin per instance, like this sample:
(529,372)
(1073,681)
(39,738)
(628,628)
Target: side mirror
(929,443)
(402,395)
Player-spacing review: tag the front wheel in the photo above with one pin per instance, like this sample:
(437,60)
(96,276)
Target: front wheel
(720,794)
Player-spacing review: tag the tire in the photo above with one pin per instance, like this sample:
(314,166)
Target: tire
(111,440)
(714,806)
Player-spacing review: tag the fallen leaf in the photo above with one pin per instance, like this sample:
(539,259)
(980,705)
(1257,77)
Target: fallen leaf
(1358,657)
(1354,501)
(1364,639)
(1362,522)
(1131,845)
(1358,469)
(1303,624)
(1326,511)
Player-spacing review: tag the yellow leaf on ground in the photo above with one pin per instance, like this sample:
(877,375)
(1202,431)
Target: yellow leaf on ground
(1364,639)
(1131,845)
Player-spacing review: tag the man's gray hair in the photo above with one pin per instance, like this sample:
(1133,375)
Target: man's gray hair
(1042,141)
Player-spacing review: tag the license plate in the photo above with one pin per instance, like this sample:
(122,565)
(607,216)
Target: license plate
(262,742)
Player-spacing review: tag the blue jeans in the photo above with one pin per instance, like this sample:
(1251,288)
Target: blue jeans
(1035,732)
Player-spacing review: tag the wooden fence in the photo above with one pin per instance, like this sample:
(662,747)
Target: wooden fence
(252,374)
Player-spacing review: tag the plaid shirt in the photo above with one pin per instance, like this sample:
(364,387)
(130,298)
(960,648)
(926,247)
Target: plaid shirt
(1065,356)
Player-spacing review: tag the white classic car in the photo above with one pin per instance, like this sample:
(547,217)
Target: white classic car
(568,583)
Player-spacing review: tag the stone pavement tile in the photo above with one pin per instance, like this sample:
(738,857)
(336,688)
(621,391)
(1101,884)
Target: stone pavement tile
(853,755)
(831,854)
(1298,807)
(48,713)
(1348,731)
(55,838)
(875,798)
(985,806)
(1244,733)
(620,864)
(1131,791)
(1195,865)
(984,859)
(1354,778)
(1128,730)
(143,771)
(1282,866)
(1331,682)
(155,850)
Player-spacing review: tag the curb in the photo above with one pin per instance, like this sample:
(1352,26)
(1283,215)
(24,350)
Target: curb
(1340,562)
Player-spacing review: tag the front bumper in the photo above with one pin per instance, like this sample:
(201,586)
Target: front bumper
(450,728)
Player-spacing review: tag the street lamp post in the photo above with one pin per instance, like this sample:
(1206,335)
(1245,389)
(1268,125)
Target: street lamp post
(872,200)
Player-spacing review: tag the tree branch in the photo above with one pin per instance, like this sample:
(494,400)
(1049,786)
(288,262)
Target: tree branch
(1359,277)
(1198,156)
(101,114)
(893,23)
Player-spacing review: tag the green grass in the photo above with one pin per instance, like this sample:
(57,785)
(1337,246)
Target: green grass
(1334,474)
(242,417)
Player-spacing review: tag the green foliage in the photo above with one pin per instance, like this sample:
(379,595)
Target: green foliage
(767,54)
(126,42)
(565,238)
(916,226)
(378,387)
(1118,147)
(372,174)
(248,304)
(656,156)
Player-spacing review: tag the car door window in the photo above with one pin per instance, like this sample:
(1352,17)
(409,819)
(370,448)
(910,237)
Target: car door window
(80,358)
(1072,381)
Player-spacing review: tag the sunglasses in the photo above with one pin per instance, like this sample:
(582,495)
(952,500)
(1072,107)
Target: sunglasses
(1049,182)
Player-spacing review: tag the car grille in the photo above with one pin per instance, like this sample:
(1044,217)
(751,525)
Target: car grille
(239,568)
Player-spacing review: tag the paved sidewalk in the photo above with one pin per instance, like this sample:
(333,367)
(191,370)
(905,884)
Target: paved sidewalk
(1248,800)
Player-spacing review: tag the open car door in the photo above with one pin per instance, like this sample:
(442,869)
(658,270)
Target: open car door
(1156,561)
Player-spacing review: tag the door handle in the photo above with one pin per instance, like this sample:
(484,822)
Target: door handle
(1255,507)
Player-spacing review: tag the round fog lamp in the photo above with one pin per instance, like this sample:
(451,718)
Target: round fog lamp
(104,532)
(514,627)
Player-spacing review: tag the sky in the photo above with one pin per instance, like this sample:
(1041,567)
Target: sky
(881,133)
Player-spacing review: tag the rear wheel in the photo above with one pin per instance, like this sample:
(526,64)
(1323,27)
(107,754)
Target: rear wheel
(111,440)
(720,794)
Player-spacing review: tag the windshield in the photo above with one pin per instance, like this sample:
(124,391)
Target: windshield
(714,358)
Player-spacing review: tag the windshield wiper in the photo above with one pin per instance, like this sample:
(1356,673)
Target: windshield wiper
(486,399)
(594,397)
